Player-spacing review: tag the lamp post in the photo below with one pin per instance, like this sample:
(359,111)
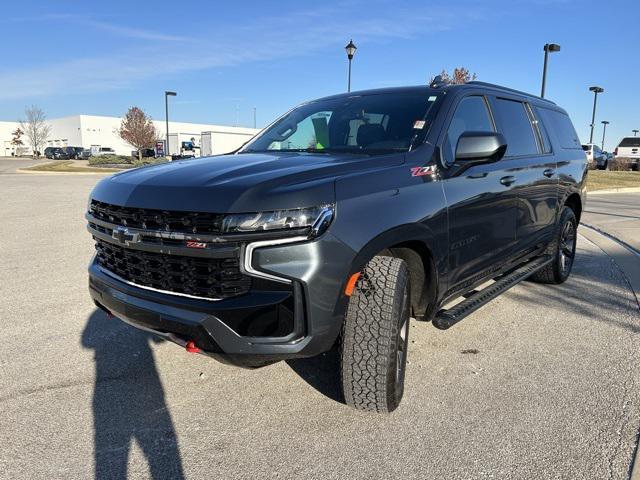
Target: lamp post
(351,51)
(596,91)
(635,132)
(604,131)
(548,47)
(167,94)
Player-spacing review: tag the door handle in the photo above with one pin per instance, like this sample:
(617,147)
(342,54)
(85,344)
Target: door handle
(508,180)
(549,172)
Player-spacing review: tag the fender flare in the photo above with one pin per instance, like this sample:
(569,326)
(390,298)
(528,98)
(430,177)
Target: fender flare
(400,234)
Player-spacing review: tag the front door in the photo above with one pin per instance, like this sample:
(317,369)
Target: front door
(480,198)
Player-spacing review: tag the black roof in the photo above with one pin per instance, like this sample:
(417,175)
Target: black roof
(425,89)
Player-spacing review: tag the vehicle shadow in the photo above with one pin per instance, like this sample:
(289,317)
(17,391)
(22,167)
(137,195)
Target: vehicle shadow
(591,283)
(321,372)
(128,401)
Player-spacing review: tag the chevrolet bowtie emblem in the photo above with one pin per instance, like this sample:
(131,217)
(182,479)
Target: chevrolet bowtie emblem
(123,235)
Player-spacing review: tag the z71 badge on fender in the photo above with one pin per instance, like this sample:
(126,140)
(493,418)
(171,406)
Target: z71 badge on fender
(421,171)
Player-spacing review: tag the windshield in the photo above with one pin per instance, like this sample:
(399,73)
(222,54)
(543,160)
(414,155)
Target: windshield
(372,124)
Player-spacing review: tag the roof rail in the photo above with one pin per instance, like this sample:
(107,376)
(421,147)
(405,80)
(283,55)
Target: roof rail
(513,90)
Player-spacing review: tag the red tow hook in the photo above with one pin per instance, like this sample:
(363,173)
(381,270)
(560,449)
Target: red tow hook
(191,347)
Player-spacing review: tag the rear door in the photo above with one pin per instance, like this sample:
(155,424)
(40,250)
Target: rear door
(534,167)
(480,198)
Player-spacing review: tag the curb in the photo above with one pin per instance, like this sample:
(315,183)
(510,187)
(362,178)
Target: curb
(612,237)
(615,190)
(626,258)
(628,262)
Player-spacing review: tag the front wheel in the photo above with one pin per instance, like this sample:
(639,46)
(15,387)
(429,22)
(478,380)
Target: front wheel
(375,337)
(562,249)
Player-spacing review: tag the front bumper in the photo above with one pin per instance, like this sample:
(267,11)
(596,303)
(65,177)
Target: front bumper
(270,323)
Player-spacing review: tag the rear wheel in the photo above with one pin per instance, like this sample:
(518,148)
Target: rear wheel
(375,337)
(562,249)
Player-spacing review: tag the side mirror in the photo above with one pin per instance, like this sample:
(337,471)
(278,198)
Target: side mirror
(481,147)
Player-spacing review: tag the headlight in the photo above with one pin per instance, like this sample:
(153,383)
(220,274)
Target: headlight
(316,218)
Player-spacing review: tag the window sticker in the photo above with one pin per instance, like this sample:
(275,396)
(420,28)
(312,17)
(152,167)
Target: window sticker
(419,124)
(432,98)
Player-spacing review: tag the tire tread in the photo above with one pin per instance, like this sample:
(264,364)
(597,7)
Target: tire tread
(369,332)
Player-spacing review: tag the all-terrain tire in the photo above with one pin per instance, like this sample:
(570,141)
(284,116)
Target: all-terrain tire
(562,248)
(375,337)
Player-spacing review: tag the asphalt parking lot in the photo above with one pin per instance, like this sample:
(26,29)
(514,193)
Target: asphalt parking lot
(543,382)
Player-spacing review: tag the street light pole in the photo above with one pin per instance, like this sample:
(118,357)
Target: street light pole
(604,131)
(351,51)
(167,94)
(548,47)
(596,91)
(254,118)
(635,132)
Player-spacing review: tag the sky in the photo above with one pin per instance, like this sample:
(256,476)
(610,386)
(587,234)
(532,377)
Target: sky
(225,58)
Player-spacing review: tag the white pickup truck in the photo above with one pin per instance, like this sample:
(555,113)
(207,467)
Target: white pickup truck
(629,147)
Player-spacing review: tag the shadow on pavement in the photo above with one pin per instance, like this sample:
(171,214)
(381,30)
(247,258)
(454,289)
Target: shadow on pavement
(322,373)
(128,401)
(591,283)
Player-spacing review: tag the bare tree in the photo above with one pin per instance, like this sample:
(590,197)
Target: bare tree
(35,128)
(459,76)
(138,130)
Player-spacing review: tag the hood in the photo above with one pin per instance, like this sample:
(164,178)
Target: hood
(236,183)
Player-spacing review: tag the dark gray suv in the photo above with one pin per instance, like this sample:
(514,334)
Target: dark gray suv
(338,223)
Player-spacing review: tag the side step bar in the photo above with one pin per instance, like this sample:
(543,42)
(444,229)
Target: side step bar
(476,299)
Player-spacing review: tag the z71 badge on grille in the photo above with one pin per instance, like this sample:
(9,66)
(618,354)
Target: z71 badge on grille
(196,245)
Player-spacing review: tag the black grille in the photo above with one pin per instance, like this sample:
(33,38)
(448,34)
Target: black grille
(149,219)
(201,277)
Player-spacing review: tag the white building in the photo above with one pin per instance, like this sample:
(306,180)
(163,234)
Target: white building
(89,131)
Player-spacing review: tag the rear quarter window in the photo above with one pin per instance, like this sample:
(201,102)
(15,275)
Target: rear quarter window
(560,124)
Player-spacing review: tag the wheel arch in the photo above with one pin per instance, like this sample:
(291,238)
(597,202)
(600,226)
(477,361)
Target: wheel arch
(574,202)
(415,245)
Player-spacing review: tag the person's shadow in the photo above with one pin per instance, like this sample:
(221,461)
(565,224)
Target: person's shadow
(128,401)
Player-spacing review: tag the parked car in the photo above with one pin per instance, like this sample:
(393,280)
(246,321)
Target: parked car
(336,224)
(189,149)
(71,152)
(595,156)
(85,154)
(48,152)
(60,154)
(104,151)
(629,147)
(146,153)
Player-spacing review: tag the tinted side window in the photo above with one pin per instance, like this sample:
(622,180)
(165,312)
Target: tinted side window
(516,128)
(471,116)
(560,123)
